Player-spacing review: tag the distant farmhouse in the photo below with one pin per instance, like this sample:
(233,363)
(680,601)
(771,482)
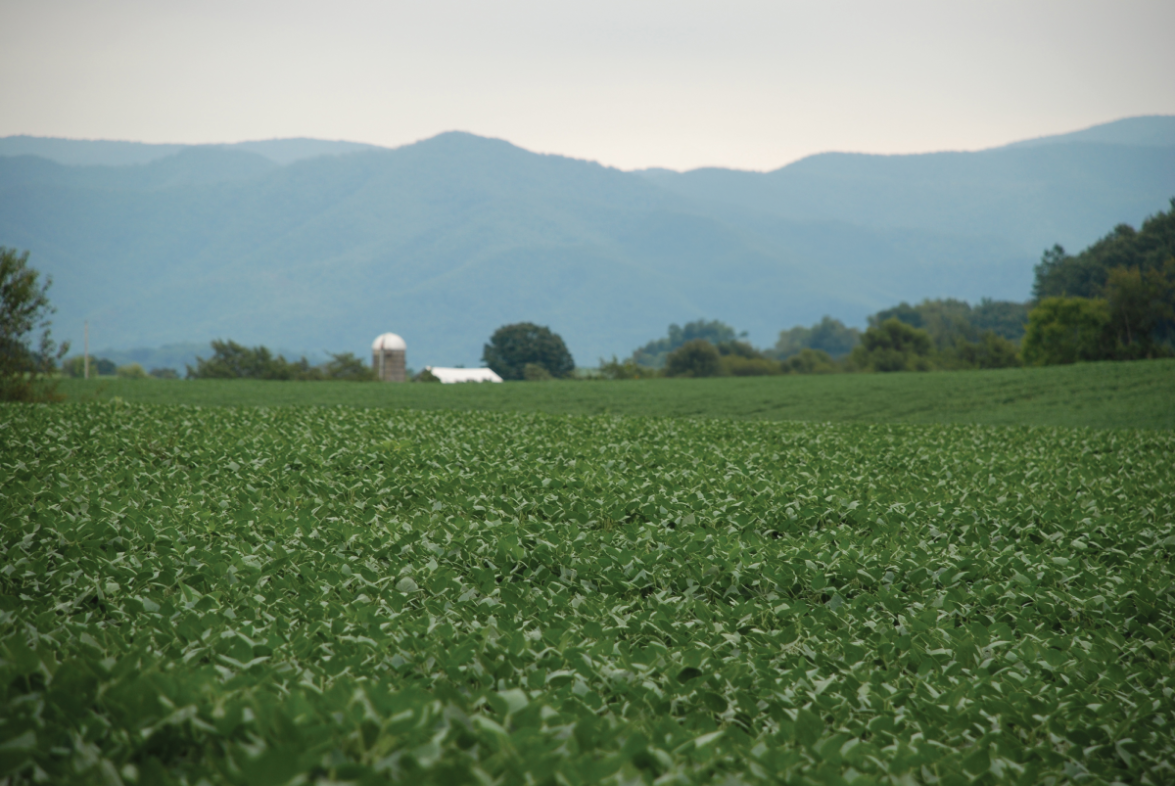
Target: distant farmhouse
(451,375)
(389,358)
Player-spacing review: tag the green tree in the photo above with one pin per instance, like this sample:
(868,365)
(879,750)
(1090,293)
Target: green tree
(345,367)
(829,335)
(1141,303)
(1085,275)
(810,361)
(512,347)
(695,358)
(533,372)
(231,360)
(947,321)
(131,371)
(164,373)
(627,369)
(99,367)
(25,309)
(739,366)
(655,353)
(1006,318)
(893,346)
(991,351)
(1068,330)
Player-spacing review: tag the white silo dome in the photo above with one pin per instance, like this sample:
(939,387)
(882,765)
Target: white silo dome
(388,341)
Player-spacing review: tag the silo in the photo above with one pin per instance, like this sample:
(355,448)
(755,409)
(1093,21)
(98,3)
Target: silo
(388,355)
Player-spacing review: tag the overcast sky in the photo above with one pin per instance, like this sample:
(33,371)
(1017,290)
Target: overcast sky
(631,84)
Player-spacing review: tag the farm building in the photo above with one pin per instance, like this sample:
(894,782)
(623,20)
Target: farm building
(389,358)
(451,375)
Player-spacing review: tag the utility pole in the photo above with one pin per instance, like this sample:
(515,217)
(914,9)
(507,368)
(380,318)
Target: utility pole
(87,350)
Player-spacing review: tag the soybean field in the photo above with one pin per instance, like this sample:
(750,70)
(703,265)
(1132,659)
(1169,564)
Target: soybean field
(1138,394)
(298,595)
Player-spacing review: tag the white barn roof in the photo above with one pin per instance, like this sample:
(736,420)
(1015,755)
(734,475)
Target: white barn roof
(450,375)
(388,341)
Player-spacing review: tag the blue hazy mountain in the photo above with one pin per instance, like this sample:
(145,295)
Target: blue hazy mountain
(444,240)
(1146,131)
(100,152)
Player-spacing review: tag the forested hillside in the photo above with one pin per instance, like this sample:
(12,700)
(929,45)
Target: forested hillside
(445,240)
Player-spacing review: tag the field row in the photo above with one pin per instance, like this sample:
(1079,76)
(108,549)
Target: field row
(328,594)
(1099,395)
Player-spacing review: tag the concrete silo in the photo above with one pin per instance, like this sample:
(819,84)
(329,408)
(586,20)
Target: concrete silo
(388,355)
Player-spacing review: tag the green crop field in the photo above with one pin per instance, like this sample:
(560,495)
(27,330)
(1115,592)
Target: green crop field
(1101,395)
(296,595)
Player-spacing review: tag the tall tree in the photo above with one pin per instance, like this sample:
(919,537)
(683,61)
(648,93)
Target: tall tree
(1141,303)
(1085,275)
(24,310)
(1068,329)
(513,347)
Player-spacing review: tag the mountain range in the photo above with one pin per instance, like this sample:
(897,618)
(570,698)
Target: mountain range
(310,245)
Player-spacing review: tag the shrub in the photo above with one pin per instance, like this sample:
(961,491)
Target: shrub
(991,351)
(739,366)
(535,372)
(628,369)
(810,361)
(131,371)
(345,367)
(696,358)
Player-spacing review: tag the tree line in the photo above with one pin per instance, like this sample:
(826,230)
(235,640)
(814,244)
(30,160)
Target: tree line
(1113,301)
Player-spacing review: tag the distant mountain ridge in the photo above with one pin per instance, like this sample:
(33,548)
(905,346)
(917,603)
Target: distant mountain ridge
(1143,131)
(444,240)
(98,152)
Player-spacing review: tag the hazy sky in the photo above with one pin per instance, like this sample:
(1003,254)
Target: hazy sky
(631,84)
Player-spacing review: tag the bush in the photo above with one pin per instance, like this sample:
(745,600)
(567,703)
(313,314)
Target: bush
(345,367)
(534,372)
(231,360)
(739,366)
(164,373)
(99,367)
(629,369)
(426,376)
(810,361)
(696,358)
(991,351)
(131,371)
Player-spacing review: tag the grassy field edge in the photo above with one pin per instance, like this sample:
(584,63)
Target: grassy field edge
(1099,395)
